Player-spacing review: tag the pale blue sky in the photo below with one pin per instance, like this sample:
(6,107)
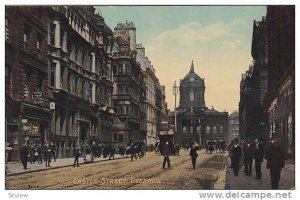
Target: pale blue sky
(217,38)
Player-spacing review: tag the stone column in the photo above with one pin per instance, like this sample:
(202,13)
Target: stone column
(93,62)
(93,92)
(57,75)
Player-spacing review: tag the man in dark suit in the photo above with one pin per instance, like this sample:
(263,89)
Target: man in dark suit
(76,154)
(248,157)
(275,162)
(194,155)
(24,156)
(258,157)
(166,153)
(235,155)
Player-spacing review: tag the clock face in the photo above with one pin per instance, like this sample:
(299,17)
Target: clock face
(191,79)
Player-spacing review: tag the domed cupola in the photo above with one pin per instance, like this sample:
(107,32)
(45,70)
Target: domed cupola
(192,90)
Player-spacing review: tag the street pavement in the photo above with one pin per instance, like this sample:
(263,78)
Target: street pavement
(143,173)
(243,182)
(212,172)
(15,168)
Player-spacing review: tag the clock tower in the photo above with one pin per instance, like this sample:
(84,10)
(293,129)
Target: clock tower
(192,90)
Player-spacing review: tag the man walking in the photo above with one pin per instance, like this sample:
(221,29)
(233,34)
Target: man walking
(194,155)
(166,153)
(258,157)
(76,154)
(275,162)
(24,156)
(47,154)
(235,155)
(248,157)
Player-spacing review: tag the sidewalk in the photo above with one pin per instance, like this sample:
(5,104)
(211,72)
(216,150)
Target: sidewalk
(243,182)
(15,168)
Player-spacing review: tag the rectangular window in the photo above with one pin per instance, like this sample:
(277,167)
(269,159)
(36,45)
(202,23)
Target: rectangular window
(126,109)
(192,97)
(221,129)
(207,129)
(52,34)
(39,41)
(121,138)
(120,68)
(76,85)
(214,129)
(115,137)
(114,69)
(25,41)
(52,74)
(89,92)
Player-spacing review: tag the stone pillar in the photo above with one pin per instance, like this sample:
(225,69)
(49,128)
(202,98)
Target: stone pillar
(57,75)
(93,62)
(93,92)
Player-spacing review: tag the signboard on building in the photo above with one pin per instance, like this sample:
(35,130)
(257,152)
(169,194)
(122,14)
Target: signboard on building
(37,97)
(52,105)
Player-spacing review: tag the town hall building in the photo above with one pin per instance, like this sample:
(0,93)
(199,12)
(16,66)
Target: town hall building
(196,122)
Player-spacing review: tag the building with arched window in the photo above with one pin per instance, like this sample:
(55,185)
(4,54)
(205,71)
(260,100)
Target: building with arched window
(196,122)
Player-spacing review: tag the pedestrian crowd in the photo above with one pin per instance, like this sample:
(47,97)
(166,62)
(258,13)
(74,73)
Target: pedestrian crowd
(37,152)
(243,153)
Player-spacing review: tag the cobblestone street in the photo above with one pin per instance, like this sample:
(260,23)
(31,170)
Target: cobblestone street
(144,173)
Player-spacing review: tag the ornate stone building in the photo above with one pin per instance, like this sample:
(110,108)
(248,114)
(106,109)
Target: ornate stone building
(195,122)
(80,77)
(129,87)
(151,82)
(254,86)
(58,77)
(280,99)
(27,113)
(234,127)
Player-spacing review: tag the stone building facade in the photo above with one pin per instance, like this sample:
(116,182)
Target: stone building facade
(234,127)
(280,99)
(58,77)
(254,86)
(196,122)
(27,112)
(129,86)
(150,102)
(80,77)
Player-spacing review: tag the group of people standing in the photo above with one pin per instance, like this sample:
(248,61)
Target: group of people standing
(167,150)
(247,151)
(37,152)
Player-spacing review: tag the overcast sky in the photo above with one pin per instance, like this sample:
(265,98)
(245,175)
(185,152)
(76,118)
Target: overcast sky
(217,38)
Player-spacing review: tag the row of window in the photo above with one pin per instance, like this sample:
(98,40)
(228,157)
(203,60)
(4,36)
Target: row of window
(76,86)
(122,68)
(195,96)
(208,129)
(128,110)
(76,53)
(82,27)
(29,41)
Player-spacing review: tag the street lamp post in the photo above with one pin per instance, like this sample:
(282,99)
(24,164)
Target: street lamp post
(175,92)
(200,132)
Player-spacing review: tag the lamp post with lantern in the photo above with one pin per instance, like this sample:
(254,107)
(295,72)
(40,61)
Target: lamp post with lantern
(175,92)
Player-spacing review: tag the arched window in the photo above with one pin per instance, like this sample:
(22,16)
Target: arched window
(192,95)
(207,129)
